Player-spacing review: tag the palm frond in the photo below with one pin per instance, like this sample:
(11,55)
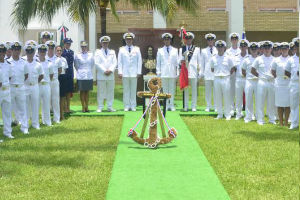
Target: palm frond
(113,8)
(167,8)
(25,10)
(79,10)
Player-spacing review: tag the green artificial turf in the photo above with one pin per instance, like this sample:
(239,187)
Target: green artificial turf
(178,170)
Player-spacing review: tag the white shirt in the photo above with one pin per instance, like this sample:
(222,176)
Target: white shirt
(104,62)
(204,66)
(238,60)
(62,63)
(18,71)
(34,71)
(130,63)
(193,63)
(167,63)
(233,52)
(292,66)
(84,64)
(6,73)
(247,65)
(54,59)
(262,64)
(47,67)
(221,65)
(279,65)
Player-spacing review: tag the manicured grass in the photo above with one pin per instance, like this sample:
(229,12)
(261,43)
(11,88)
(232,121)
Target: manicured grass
(72,160)
(253,162)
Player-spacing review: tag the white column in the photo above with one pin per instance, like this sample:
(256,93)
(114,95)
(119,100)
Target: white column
(92,32)
(235,10)
(159,21)
(298,5)
(92,37)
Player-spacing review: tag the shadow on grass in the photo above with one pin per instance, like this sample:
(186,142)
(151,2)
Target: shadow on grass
(159,147)
(46,160)
(292,136)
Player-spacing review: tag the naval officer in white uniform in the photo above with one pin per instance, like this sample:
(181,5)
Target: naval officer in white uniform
(5,99)
(106,63)
(261,68)
(292,71)
(19,75)
(35,75)
(233,51)
(206,72)
(193,55)
(129,68)
(167,68)
(222,67)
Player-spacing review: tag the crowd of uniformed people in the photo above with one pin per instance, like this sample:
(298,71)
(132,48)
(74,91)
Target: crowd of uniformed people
(263,72)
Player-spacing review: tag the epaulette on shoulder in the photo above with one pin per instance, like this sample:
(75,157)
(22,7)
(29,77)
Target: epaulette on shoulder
(37,60)
(8,61)
(23,58)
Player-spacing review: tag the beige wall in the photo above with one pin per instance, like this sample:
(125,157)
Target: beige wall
(255,5)
(255,21)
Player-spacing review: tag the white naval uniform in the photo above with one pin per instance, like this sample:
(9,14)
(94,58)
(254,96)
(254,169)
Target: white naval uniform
(192,75)
(240,82)
(5,98)
(45,92)
(18,98)
(32,92)
(292,66)
(84,64)
(250,88)
(265,88)
(54,85)
(105,60)
(129,66)
(282,93)
(222,66)
(167,69)
(232,52)
(205,70)
(62,62)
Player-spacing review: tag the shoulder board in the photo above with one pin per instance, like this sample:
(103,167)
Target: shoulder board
(37,60)
(8,62)
(23,58)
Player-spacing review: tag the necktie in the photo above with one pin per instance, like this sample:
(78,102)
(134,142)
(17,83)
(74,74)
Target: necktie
(168,49)
(211,50)
(129,49)
(105,51)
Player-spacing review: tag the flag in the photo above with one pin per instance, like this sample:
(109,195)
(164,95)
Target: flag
(184,76)
(182,34)
(244,35)
(63,34)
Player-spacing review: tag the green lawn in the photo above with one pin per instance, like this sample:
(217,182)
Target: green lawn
(73,160)
(253,162)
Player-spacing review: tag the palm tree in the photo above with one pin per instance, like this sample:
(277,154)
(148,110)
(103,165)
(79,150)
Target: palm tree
(25,10)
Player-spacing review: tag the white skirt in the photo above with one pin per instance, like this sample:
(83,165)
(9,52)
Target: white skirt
(282,96)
